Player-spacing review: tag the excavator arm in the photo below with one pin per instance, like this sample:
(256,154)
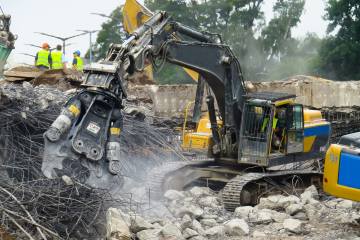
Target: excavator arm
(85,137)
(217,66)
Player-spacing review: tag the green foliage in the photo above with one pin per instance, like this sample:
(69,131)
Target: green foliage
(299,59)
(265,50)
(278,32)
(111,32)
(339,56)
(172,74)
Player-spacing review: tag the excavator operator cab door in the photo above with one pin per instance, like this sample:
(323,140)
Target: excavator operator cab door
(295,128)
(255,132)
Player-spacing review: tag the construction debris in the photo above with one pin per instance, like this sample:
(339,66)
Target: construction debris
(33,206)
(246,222)
(62,79)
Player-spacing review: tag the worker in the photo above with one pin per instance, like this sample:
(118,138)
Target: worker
(58,58)
(279,128)
(78,63)
(43,58)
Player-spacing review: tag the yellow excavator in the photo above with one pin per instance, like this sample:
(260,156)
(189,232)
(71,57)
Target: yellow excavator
(342,161)
(265,143)
(258,131)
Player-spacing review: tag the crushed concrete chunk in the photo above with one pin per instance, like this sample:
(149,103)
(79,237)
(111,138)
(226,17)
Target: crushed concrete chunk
(208,222)
(200,191)
(171,231)
(150,234)
(217,231)
(209,201)
(309,195)
(189,233)
(139,224)
(243,212)
(236,227)
(293,225)
(294,209)
(116,227)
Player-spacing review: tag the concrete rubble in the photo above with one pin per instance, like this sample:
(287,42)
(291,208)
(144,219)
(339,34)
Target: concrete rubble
(275,217)
(61,79)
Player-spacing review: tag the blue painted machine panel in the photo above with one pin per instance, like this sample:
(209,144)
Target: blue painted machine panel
(349,170)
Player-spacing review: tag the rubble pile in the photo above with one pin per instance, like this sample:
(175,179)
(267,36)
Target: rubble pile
(198,214)
(62,79)
(64,207)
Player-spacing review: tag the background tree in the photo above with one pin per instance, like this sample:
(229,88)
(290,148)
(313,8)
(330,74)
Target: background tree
(339,56)
(265,51)
(111,32)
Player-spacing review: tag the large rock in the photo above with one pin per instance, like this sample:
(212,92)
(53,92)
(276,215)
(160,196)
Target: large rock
(287,201)
(191,210)
(236,227)
(209,201)
(345,204)
(186,222)
(309,195)
(315,212)
(117,227)
(200,191)
(294,209)
(189,233)
(243,212)
(196,225)
(217,231)
(171,231)
(262,216)
(277,202)
(138,224)
(172,195)
(151,234)
(294,225)
(301,216)
(271,202)
(208,222)
(276,216)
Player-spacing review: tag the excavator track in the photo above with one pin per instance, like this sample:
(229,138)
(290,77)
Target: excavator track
(248,188)
(231,194)
(157,176)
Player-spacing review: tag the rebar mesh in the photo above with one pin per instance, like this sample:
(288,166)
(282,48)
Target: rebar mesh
(38,208)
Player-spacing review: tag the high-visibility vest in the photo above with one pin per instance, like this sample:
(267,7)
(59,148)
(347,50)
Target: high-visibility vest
(265,122)
(56,57)
(79,64)
(43,58)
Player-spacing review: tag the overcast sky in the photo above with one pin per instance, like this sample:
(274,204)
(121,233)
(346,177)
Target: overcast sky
(64,17)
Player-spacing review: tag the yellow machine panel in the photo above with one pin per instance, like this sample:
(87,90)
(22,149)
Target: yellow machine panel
(341,172)
(315,129)
(311,116)
(200,139)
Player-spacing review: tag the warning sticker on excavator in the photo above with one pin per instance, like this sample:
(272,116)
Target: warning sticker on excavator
(93,128)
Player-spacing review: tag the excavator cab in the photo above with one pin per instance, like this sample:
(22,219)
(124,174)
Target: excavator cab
(277,131)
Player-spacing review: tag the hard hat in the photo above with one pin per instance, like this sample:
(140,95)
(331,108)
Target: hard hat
(77,52)
(45,45)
